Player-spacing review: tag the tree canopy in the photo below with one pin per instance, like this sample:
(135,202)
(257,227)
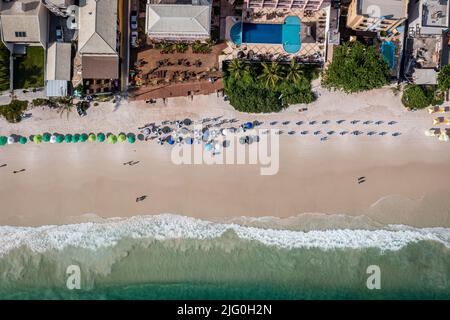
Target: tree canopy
(266,87)
(417,97)
(443,78)
(355,68)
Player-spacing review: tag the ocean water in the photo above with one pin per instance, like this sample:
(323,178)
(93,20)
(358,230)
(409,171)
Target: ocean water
(175,257)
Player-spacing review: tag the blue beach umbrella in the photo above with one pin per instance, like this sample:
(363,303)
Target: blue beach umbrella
(170,141)
(248,125)
(188,140)
(208,146)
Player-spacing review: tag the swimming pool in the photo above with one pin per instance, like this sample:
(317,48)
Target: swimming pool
(388,52)
(287,34)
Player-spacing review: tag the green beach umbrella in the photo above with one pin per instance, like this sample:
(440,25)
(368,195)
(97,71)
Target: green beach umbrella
(75,138)
(122,137)
(131,139)
(83,137)
(92,137)
(22,140)
(68,138)
(37,139)
(112,139)
(101,137)
(46,137)
(3,140)
(59,138)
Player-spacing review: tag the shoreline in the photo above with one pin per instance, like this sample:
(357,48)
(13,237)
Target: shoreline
(63,182)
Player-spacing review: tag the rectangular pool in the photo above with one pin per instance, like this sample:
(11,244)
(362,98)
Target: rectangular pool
(262,33)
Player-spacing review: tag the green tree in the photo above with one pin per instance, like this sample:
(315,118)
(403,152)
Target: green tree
(294,72)
(415,96)
(238,69)
(443,78)
(271,74)
(13,111)
(356,67)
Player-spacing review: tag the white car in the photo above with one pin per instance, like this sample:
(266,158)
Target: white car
(134,37)
(133,21)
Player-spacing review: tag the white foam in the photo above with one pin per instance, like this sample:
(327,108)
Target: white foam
(92,235)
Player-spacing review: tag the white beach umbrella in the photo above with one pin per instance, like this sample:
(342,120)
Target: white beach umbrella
(429,133)
(53,139)
(11,140)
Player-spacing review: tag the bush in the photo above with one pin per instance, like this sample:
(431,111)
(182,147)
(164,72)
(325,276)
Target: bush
(40,102)
(4,68)
(12,112)
(443,78)
(417,97)
(356,68)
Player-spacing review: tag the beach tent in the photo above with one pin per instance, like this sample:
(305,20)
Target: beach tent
(100,137)
(92,137)
(3,140)
(83,137)
(68,138)
(112,139)
(59,138)
(22,140)
(122,137)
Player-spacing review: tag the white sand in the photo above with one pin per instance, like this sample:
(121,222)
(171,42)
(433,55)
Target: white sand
(409,173)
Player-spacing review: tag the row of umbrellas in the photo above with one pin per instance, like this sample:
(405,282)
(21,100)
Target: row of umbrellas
(443,135)
(69,138)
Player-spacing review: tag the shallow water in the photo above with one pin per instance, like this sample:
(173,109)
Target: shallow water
(174,257)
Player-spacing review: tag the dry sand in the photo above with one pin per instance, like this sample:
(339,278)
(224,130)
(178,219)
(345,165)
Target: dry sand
(406,176)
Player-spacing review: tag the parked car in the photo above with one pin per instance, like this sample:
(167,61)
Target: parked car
(134,37)
(59,34)
(133,20)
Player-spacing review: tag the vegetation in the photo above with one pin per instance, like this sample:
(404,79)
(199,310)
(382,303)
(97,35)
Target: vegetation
(13,111)
(417,97)
(29,69)
(4,67)
(356,68)
(443,78)
(202,47)
(181,47)
(266,87)
(38,102)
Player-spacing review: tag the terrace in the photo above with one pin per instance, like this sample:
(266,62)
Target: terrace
(435,13)
(160,75)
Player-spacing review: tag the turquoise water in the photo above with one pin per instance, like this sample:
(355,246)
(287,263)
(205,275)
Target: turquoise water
(287,33)
(172,257)
(388,52)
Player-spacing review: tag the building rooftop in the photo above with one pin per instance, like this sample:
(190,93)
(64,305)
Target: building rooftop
(378,8)
(178,20)
(98,27)
(435,13)
(20,7)
(58,61)
(100,66)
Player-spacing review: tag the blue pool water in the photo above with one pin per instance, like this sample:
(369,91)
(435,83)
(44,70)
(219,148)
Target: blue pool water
(388,52)
(287,34)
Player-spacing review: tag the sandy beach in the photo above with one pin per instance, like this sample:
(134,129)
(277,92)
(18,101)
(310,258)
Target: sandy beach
(406,176)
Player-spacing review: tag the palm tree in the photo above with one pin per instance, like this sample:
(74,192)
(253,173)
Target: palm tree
(294,72)
(65,108)
(238,68)
(271,74)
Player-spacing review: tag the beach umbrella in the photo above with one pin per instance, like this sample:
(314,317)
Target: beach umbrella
(112,139)
(170,140)
(75,138)
(188,140)
(22,140)
(37,139)
(122,137)
(248,125)
(53,139)
(3,140)
(68,138)
(166,129)
(46,137)
(208,146)
(11,140)
(429,133)
(443,137)
(100,137)
(92,137)
(59,138)
(147,131)
(131,139)
(187,122)
(83,137)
